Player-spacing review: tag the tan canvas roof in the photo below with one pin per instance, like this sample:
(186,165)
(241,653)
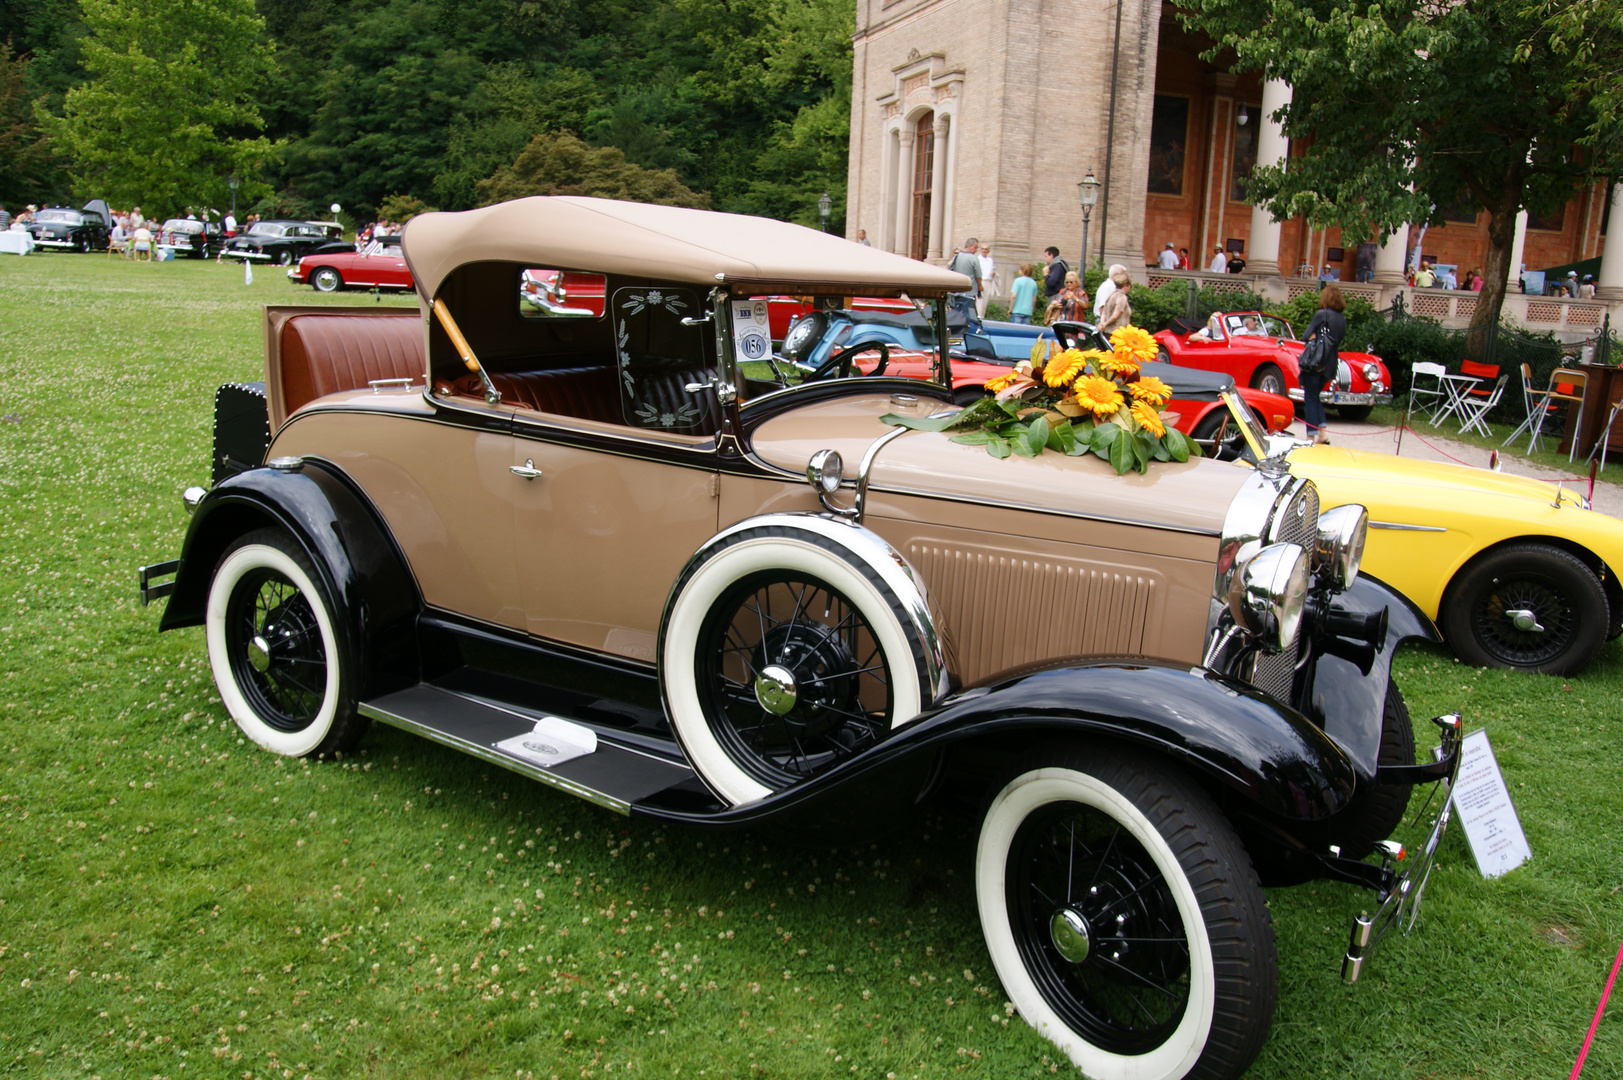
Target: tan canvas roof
(749,254)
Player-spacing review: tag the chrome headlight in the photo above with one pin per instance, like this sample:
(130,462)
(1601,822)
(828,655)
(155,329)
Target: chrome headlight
(1341,543)
(1268,593)
(1372,373)
(825,471)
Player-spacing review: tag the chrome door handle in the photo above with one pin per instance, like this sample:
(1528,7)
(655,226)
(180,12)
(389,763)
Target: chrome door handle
(527,470)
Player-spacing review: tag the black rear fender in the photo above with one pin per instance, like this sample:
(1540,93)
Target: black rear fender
(374,598)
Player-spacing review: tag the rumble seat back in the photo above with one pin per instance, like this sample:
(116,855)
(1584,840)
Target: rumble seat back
(324,354)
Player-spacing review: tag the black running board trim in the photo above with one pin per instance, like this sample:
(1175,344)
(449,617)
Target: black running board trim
(614,777)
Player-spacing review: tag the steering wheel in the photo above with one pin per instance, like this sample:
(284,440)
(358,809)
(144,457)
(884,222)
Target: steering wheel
(839,365)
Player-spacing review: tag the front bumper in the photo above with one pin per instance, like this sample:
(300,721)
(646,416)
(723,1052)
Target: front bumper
(1400,895)
(295,277)
(1332,396)
(43,242)
(238,253)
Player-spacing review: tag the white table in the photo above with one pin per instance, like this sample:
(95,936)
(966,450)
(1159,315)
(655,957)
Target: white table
(16,242)
(1457,386)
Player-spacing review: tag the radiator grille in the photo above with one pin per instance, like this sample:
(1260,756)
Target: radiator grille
(1006,609)
(1275,673)
(1299,521)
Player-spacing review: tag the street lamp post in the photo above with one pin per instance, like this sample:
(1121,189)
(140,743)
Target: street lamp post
(1087,190)
(824,206)
(233,183)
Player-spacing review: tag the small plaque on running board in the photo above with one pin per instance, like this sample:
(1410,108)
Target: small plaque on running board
(553,742)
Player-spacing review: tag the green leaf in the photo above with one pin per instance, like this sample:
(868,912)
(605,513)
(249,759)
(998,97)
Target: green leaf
(1036,436)
(1104,437)
(1121,455)
(1141,442)
(974,438)
(923,423)
(1160,451)
(998,448)
(1178,445)
(1062,437)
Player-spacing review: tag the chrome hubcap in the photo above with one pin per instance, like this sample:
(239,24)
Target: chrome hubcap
(1525,621)
(259,653)
(775,689)
(1069,931)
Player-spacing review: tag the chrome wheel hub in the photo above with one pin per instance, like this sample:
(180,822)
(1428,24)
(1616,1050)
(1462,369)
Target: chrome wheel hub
(1069,931)
(259,653)
(1525,620)
(775,689)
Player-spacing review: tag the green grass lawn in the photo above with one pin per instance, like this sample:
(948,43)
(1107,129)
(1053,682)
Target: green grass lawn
(175,903)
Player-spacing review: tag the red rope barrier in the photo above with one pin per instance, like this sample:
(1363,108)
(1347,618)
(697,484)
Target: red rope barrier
(1600,1010)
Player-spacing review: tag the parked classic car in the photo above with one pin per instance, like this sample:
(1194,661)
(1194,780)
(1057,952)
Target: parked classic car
(985,350)
(560,293)
(591,549)
(284,242)
(67,229)
(193,238)
(377,266)
(1261,351)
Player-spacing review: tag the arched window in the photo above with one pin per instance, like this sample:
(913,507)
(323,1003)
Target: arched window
(923,173)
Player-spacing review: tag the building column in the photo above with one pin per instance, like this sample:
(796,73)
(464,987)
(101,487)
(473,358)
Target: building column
(938,186)
(904,188)
(887,190)
(1390,258)
(1609,283)
(1518,247)
(1272,149)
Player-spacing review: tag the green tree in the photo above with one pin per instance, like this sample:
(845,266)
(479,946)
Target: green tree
(1406,106)
(562,164)
(169,111)
(25,156)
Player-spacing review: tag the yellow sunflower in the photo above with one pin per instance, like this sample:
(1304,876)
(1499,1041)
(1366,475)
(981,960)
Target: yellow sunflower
(1063,369)
(1096,358)
(1099,396)
(1133,343)
(1117,365)
(1150,389)
(1148,418)
(1002,382)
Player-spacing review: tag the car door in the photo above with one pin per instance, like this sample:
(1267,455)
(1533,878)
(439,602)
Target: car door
(611,502)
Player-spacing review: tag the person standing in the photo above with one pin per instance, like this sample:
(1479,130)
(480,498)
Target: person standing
(1106,287)
(1023,296)
(1070,304)
(862,238)
(968,263)
(988,280)
(1184,262)
(1236,263)
(1586,289)
(230,223)
(136,220)
(1330,321)
(1054,271)
(1220,262)
(5,219)
(1168,259)
(1117,312)
(1424,278)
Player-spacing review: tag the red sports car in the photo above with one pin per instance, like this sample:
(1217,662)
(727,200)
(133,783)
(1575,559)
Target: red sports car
(1260,351)
(377,266)
(561,293)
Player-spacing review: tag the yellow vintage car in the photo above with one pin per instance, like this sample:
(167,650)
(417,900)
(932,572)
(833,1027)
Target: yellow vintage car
(1515,574)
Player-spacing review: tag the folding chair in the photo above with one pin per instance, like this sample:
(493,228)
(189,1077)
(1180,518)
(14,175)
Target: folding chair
(1605,443)
(1438,390)
(1537,404)
(1569,385)
(1477,404)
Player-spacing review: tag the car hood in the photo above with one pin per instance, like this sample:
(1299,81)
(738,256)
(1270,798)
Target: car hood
(1388,479)
(1190,497)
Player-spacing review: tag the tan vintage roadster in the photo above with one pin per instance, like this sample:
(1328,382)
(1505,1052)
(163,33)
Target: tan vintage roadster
(625,549)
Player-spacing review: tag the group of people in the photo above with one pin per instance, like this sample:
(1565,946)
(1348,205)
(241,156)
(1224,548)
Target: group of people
(1571,286)
(1067,300)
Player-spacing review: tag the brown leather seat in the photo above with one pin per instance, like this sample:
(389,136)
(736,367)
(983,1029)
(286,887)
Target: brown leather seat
(590,393)
(324,354)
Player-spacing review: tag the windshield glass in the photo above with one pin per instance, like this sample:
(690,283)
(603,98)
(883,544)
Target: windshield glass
(63,217)
(830,338)
(266,228)
(1254,324)
(184,225)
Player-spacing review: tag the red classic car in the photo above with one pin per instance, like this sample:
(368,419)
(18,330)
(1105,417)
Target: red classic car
(1260,351)
(377,266)
(781,311)
(560,294)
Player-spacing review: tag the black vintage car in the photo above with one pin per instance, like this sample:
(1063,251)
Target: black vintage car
(66,229)
(190,237)
(285,242)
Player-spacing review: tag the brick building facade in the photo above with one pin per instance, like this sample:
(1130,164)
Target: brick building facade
(979,117)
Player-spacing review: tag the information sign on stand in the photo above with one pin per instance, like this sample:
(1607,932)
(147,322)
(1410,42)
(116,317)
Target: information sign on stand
(1483,804)
(752,335)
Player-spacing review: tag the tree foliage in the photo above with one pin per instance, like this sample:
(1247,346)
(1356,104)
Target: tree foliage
(1406,107)
(169,110)
(25,158)
(561,164)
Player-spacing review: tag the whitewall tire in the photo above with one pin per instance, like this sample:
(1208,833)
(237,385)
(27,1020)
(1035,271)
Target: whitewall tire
(1124,918)
(275,652)
(786,649)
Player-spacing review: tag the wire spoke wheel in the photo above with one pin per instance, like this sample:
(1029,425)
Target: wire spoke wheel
(1524,621)
(276,650)
(792,676)
(1098,928)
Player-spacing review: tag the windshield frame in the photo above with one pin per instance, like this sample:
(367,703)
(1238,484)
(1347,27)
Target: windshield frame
(59,216)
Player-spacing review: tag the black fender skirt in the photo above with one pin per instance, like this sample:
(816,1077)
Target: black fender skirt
(1345,692)
(373,596)
(1258,749)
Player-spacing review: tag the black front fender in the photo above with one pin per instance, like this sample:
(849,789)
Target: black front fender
(1346,682)
(1262,750)
(374,598)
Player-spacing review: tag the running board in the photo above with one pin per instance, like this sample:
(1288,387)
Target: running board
(613,776)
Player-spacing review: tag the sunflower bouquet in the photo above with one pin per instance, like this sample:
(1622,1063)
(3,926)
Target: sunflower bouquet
(1075,402)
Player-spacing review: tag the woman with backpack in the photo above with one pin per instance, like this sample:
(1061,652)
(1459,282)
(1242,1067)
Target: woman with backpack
(1317,364)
